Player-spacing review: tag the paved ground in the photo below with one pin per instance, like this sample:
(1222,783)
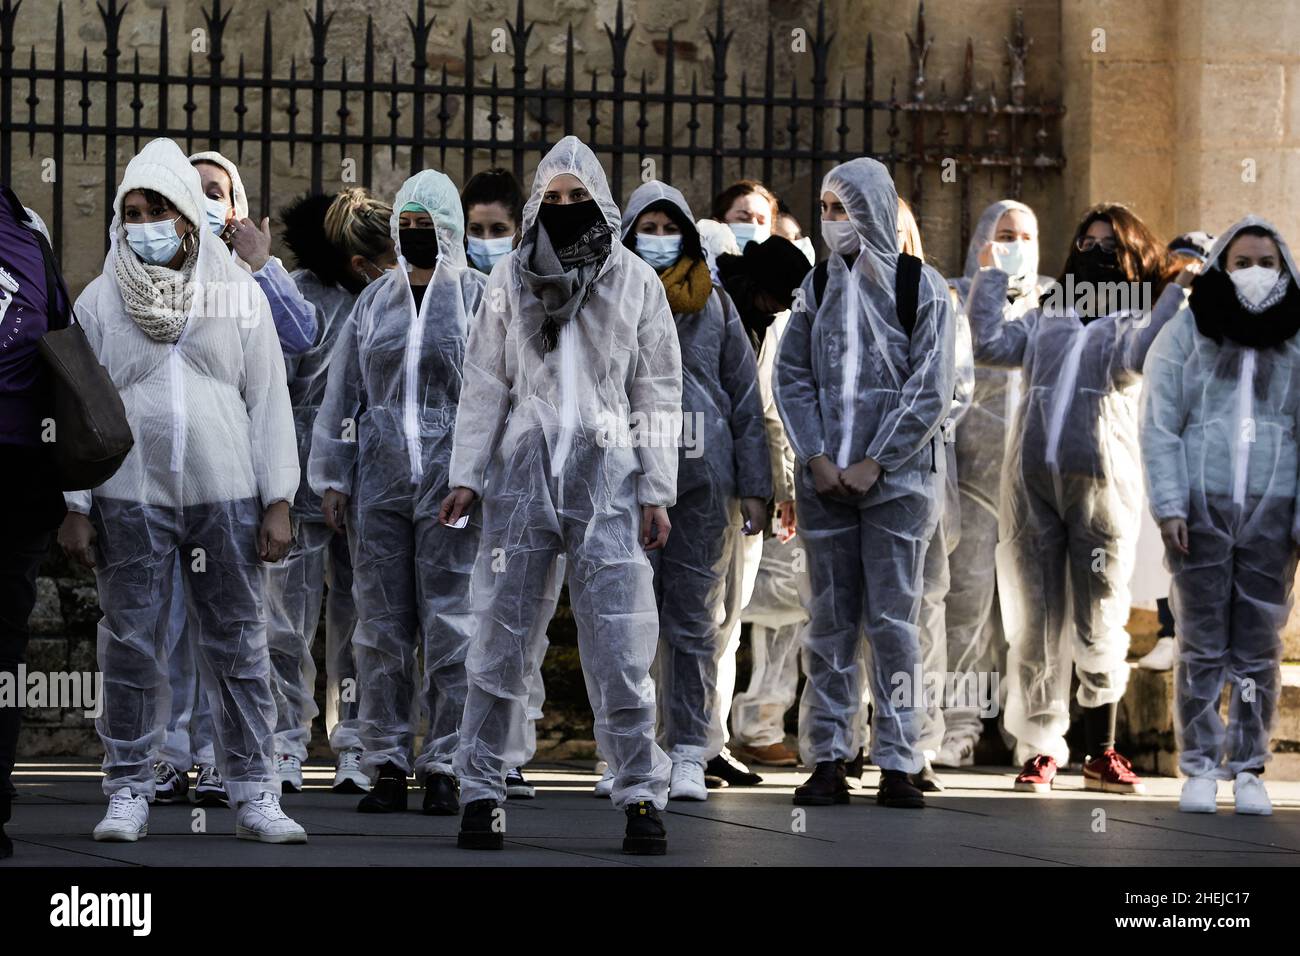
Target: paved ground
(978,820)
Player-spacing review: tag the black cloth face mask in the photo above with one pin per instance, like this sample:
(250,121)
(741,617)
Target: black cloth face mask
(566,223)
(419,246)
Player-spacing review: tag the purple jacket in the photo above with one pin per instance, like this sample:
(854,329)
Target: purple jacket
(23,320)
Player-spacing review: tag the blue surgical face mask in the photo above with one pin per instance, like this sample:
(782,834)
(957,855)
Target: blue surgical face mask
(485,253)
(217,212)
(659,251)
(155,242)
(747,232)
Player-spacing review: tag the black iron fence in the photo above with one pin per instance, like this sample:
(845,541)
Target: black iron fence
(362,107)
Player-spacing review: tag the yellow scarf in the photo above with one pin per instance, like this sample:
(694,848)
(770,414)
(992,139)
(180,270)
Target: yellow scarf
(687,284)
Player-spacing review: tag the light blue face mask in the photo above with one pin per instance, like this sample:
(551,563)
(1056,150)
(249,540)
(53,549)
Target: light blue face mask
(217,212)
(747,232)
(155,242)
(485,253)
(659,251)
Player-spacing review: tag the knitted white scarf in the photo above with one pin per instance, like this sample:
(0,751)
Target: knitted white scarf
(157,298)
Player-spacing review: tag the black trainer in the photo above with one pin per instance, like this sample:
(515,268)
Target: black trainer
(441,795)
(826,786)
(645,834)
(388,795)
(479,829)
(732,772)
(170,784)
(896,790)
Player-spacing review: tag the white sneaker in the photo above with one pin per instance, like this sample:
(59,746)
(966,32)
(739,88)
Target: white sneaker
(687,782)
(1160,657)
(288,769)
(1252,798)
(1199,794)
(956,752)
(262,819)
(127,819)
(348,777)
(605,785)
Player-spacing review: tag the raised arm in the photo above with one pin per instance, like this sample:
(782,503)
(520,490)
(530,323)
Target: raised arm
(995,341)
(294,317)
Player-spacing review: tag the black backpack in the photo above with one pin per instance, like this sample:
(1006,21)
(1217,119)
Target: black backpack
(907,288)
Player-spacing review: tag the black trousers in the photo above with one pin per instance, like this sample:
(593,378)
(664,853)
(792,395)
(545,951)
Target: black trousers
(21,552)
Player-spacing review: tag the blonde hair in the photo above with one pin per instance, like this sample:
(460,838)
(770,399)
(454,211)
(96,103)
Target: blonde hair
(909,233)
(358,224)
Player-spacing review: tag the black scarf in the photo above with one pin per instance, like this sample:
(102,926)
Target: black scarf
(740,286)
(1219,313)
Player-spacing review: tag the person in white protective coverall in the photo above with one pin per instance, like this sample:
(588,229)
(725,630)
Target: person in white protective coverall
(574,345)
(188,339)
(864,383)
(973,620)
(762,283)
(379,459)
(1220,412)
(723,476)
(189,740)
(1071,488)
(319,557)
(493,205)
(776,610)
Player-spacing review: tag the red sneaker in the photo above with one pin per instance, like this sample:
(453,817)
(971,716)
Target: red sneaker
(1112,773)
(1037,775)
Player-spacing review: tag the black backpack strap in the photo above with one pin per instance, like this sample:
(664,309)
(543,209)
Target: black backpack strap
(820,275)
(907,291)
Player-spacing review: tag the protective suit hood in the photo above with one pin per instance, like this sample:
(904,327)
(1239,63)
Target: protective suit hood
(238,195)
(647,194)
(571,155)
(438,195)
(1224,241)
(867,191)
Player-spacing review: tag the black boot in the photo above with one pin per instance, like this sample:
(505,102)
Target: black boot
(896,790)
(388,795)
(441,795)
(479,829)
(826,786)
(645,835)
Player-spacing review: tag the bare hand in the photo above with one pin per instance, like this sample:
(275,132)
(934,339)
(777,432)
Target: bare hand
(251,242)
(334,505)
(275,536)
(1188,273)
(826,477)
(456,505)
(654,527)
(1173,531)
(77,538)
(986,255)
(860,476)
(786,522)
(755,512)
